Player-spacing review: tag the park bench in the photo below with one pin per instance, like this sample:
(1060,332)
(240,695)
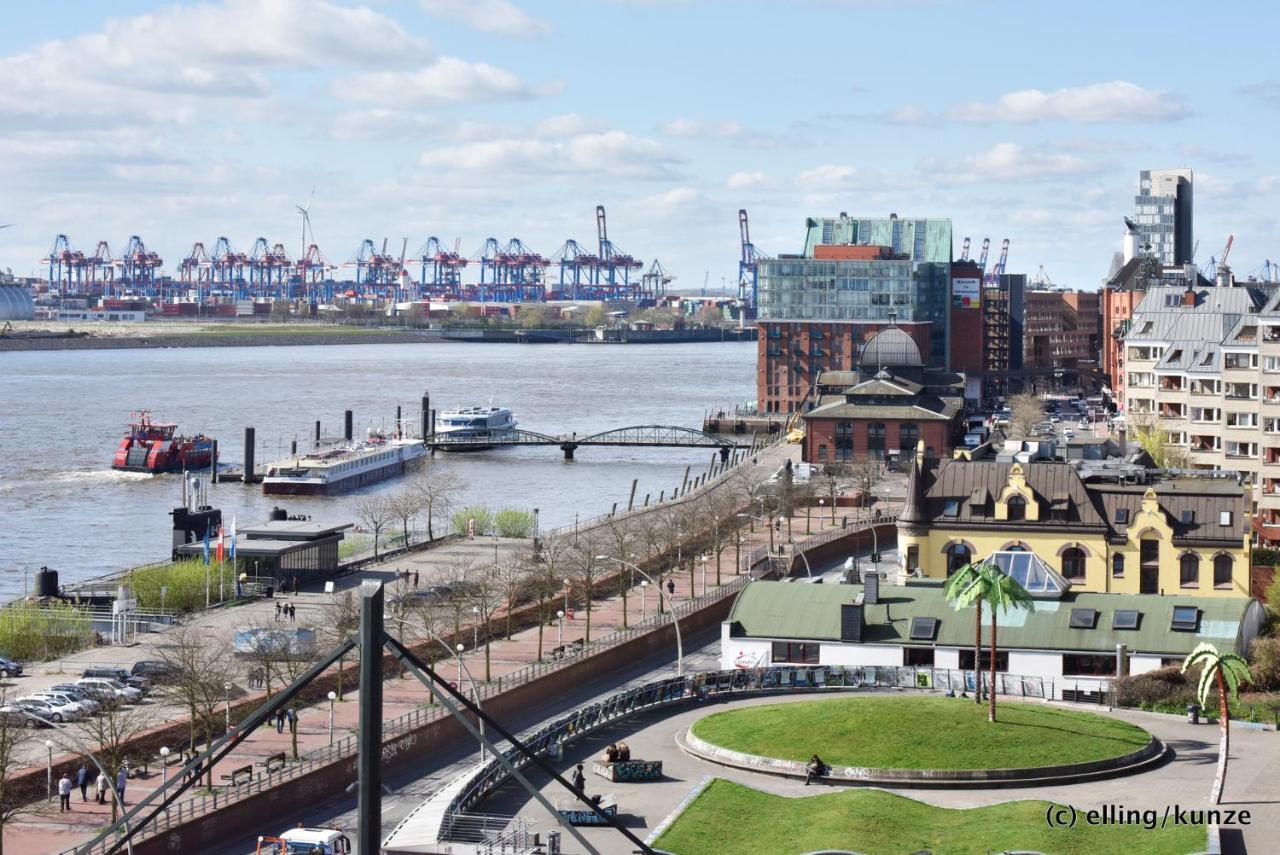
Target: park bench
(239,776)
(274,762)
(557,652)
(578,644)
(576,814)
(629,770)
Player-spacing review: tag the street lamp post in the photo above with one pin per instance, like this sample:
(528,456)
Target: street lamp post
(705,559)
(644,586)
(560,631)
(675,620)
(226,696)
(566,596)
(164,766)
(332,697)
(822,506)
(475,628)
(461,647)
(48,744)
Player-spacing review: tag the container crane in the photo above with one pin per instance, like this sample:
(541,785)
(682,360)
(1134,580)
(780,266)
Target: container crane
(196,269)
(982,259)
(653,284)
(993,278)
(748,281)
(373,268)
(228,266)
(102,267)
(577,269)
(138,265)
(613,261)
(964,250)
(441,267)
(66,266)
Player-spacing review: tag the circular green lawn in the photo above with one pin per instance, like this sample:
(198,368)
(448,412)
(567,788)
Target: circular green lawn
(921,732)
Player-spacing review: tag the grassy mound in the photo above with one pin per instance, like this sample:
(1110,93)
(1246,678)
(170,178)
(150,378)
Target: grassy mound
(921,732)
(728,817)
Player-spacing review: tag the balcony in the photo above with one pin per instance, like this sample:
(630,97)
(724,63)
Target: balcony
(1240,392)
(1206,443)
(1271,333)
(1172,384)
(1271,456)
(1173,411)
(1271,394)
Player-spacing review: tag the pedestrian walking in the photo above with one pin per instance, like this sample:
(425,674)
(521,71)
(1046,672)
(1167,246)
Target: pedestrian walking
(415,578)
(122,781)
(82,781)
(293,720)
(277,611)
(279,721)
(671,588)
(64,793)
(102,788)
(579,779)
(293,613)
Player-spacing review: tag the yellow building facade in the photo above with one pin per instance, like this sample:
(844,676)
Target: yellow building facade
(1187,536)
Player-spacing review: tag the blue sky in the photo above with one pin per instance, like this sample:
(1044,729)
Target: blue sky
(469,119)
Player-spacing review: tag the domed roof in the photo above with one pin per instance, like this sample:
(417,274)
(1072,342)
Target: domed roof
(891,347)
(15,303)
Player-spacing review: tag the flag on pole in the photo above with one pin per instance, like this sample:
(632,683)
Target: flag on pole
(233,537)
(221,543)
(206,545)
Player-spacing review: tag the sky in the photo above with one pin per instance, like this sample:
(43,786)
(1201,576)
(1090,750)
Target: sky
(465,119)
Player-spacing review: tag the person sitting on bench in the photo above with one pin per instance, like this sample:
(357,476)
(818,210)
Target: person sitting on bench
(815,769)
(611,753)
(624,752)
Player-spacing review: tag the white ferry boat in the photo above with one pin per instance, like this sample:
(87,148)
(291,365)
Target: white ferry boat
(342,467)
(473,423)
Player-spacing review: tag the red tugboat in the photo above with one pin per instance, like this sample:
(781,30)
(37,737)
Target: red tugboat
(152,447)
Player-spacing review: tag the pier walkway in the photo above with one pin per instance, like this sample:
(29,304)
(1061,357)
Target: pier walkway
(635,436)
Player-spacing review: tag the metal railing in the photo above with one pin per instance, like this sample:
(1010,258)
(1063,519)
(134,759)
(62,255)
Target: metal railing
(550,739)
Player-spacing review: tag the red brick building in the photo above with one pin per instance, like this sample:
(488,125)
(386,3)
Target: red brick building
(884,407)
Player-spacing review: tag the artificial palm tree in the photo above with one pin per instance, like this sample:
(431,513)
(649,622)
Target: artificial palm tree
(954,589)
(1225,672)
(1002,592)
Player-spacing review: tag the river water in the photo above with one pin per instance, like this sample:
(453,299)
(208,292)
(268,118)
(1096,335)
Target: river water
(62,414)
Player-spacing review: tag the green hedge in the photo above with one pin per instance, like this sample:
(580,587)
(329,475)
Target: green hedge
(184,581)
(46,631)
(507,522)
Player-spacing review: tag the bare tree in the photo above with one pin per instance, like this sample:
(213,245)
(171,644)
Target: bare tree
(622,537)
(455,600)
(865,475)
(438,487)
(112,730)
(829,484)
(279,652)
(485,594)
(201,674)
(1026,411)
(585,570)
(718,509)
(547,569)
(341,618)
(405,505)
(12,803)
(375,514)
(512,577)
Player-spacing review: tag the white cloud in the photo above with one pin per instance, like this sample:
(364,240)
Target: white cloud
(447,81)
(1006,161)
(612,152)
(567,125)
(490,16)
(699,129)
(1116,101)
(155,67)
(828,176)
(911,115)
(746,180)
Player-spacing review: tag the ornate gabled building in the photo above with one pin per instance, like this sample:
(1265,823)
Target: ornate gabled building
(885,407)
(1170,535)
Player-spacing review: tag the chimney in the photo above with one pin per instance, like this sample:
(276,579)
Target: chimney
(1189,297)
(1122,660)
(871,587)
(1122,441)
(851,620)
(1225,278)
(1130,245)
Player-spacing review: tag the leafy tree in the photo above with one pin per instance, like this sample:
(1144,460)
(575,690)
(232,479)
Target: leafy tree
(597,316)
(463,517)
(513,522)
(531,318)
(1154,440)
(1223,672)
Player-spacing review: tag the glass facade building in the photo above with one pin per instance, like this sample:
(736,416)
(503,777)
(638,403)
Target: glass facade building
(906,281)
(1162,213)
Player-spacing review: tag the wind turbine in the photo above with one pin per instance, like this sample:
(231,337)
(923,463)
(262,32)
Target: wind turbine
(306,221)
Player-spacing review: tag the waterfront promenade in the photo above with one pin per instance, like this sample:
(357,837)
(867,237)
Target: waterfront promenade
(49,831)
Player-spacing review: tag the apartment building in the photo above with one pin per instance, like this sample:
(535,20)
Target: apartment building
(1204,365)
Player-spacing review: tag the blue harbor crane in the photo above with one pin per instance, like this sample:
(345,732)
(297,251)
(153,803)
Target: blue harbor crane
(748,278)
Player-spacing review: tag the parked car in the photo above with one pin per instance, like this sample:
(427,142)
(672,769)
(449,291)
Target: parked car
(52,711)
(86,704)
(80,693)
(9,668)
(142,684)
(17,714)
(153,670)
(121,692)
(102,694)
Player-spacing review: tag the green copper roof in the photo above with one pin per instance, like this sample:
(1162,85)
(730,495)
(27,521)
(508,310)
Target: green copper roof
(799,610)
